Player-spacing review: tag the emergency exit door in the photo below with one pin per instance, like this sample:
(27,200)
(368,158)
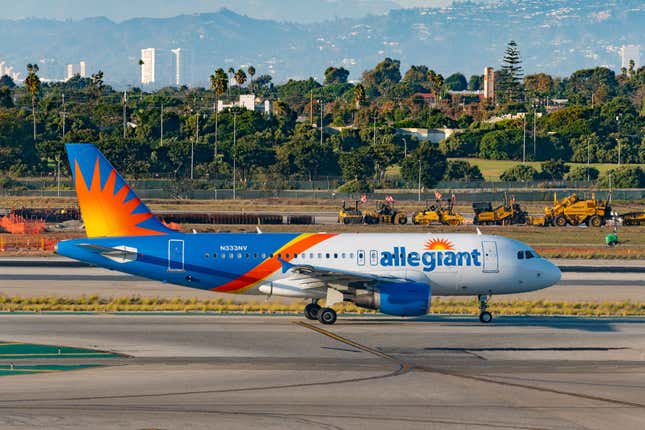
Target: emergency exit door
(175,255)
(490,260)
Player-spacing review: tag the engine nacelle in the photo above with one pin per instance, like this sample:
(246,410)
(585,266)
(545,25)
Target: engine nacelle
(401,299)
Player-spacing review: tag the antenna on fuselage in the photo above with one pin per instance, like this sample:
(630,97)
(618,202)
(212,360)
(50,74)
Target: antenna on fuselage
(257,227)
(479,232)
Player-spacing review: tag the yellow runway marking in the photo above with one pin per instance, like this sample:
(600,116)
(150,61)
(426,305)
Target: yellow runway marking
(405,367)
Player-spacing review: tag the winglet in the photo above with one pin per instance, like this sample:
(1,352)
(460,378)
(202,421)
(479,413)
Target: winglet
(285,265)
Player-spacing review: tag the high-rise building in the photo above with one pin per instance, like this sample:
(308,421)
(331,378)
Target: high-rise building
(82,69)
(70,71)
(148,66)
(489,83)
(629,53)
(177,53)
(2,72)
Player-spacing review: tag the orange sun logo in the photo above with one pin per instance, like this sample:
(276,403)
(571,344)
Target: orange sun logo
(106,213)
(439,245)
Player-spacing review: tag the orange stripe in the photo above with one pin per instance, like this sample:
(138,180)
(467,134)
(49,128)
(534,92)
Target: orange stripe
(271,265)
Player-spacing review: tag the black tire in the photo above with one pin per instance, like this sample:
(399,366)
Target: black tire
(311,311)
(476,220)
(346,221)
(401,219)
(595,221)
(485,317)
(560,221)
(327,316)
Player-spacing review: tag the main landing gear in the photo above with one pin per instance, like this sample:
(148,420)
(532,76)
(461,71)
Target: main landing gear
(484,315)
(313,311)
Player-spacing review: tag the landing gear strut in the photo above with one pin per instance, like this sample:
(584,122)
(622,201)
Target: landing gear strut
(484,315)
(311,311)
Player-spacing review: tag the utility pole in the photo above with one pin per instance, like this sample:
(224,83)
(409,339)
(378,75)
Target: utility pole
(419,197)
(618,136)
(405,148)
(374,128)
(524,142)
(161,125)
(534,132)
(125,100)
(322,111)
(63,97)
(588,156)
(311,108)
(234,150)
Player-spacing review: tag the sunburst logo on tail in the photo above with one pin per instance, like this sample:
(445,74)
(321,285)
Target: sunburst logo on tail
(436,244)
(105,209)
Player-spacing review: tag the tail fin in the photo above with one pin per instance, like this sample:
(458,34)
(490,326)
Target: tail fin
(108,205)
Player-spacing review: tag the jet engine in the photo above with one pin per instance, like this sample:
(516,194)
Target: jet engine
(404,299)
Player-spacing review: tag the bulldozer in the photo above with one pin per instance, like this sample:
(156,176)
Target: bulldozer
(438,213)
(504,214)
(572,210)
(385,213)
(350,215)
(633,218)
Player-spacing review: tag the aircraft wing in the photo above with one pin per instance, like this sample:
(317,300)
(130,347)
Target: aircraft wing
(308,277)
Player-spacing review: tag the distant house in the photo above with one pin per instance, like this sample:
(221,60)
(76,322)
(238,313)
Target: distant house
(248,102)
(434,135)
(426,98)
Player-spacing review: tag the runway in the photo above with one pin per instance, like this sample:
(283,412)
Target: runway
(200,371)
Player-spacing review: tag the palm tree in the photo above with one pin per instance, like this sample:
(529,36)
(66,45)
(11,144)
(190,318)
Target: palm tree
(240,78)
(251,72)
(219,84)
(32,83)
(231,73)
(436,84)
(359,95)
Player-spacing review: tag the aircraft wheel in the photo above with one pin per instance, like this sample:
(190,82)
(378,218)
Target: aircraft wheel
(311,311)
(485,317)
(327,316)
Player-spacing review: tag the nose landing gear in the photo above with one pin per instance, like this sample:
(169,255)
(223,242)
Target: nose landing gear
(484,315)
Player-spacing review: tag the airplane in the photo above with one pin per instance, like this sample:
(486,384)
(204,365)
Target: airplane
(393,273)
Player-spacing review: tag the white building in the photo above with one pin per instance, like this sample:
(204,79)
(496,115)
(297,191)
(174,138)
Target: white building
(177,53)
(70,72)
(82,69)
(628,53)
(148,66)
(248,102)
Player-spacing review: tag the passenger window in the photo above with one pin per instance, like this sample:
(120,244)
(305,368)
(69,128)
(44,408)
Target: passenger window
(214,254)
(295,255)
(343,256)
(319,255)
(351,255)
(335,255)
(239,255)
(520,255)
(207,255)
(255,255)
(311,255)
(231,255)
(303,255)
(327,255)
(528,254)
(264,255)
(280,255)
(248,255)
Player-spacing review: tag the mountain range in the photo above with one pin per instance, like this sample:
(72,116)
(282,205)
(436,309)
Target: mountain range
(554,36)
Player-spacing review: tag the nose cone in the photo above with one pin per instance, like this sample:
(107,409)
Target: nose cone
(551,275)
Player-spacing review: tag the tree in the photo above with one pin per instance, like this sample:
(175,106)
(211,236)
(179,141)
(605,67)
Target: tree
(520,172)
(240,77)
(219,82)
(430,160)
(7,81)
(32,83)
(381,79)
(251,72)
(5,97)
(96,84)
(554,169)
(538,85)
(510,82)
(476,83)
(624,177)
(582,173)
(359,95)
(357,164)
(456,82)
(436,83)
(459,170)
(501,145)
(231,74)
(335,75)
(417,78)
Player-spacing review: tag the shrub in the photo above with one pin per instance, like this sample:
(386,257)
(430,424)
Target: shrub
(521,172)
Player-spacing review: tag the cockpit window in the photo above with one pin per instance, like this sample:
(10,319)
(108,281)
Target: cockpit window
(529,254)
(520,255)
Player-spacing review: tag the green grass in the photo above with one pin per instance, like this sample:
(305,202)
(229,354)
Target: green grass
(492,169)
(42,368)
(17,351)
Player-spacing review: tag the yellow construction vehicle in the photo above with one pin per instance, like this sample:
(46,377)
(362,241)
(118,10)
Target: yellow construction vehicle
(350,215)
(385,213)
(437,213)
(633,218)
(572,210)
(502,215)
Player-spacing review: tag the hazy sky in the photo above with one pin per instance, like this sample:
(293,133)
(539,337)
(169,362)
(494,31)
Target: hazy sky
(284,10)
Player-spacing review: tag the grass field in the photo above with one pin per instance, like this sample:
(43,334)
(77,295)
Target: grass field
(492,169)
(439,306)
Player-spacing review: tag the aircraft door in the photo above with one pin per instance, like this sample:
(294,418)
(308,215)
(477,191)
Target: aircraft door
(175,255)
(490,264)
